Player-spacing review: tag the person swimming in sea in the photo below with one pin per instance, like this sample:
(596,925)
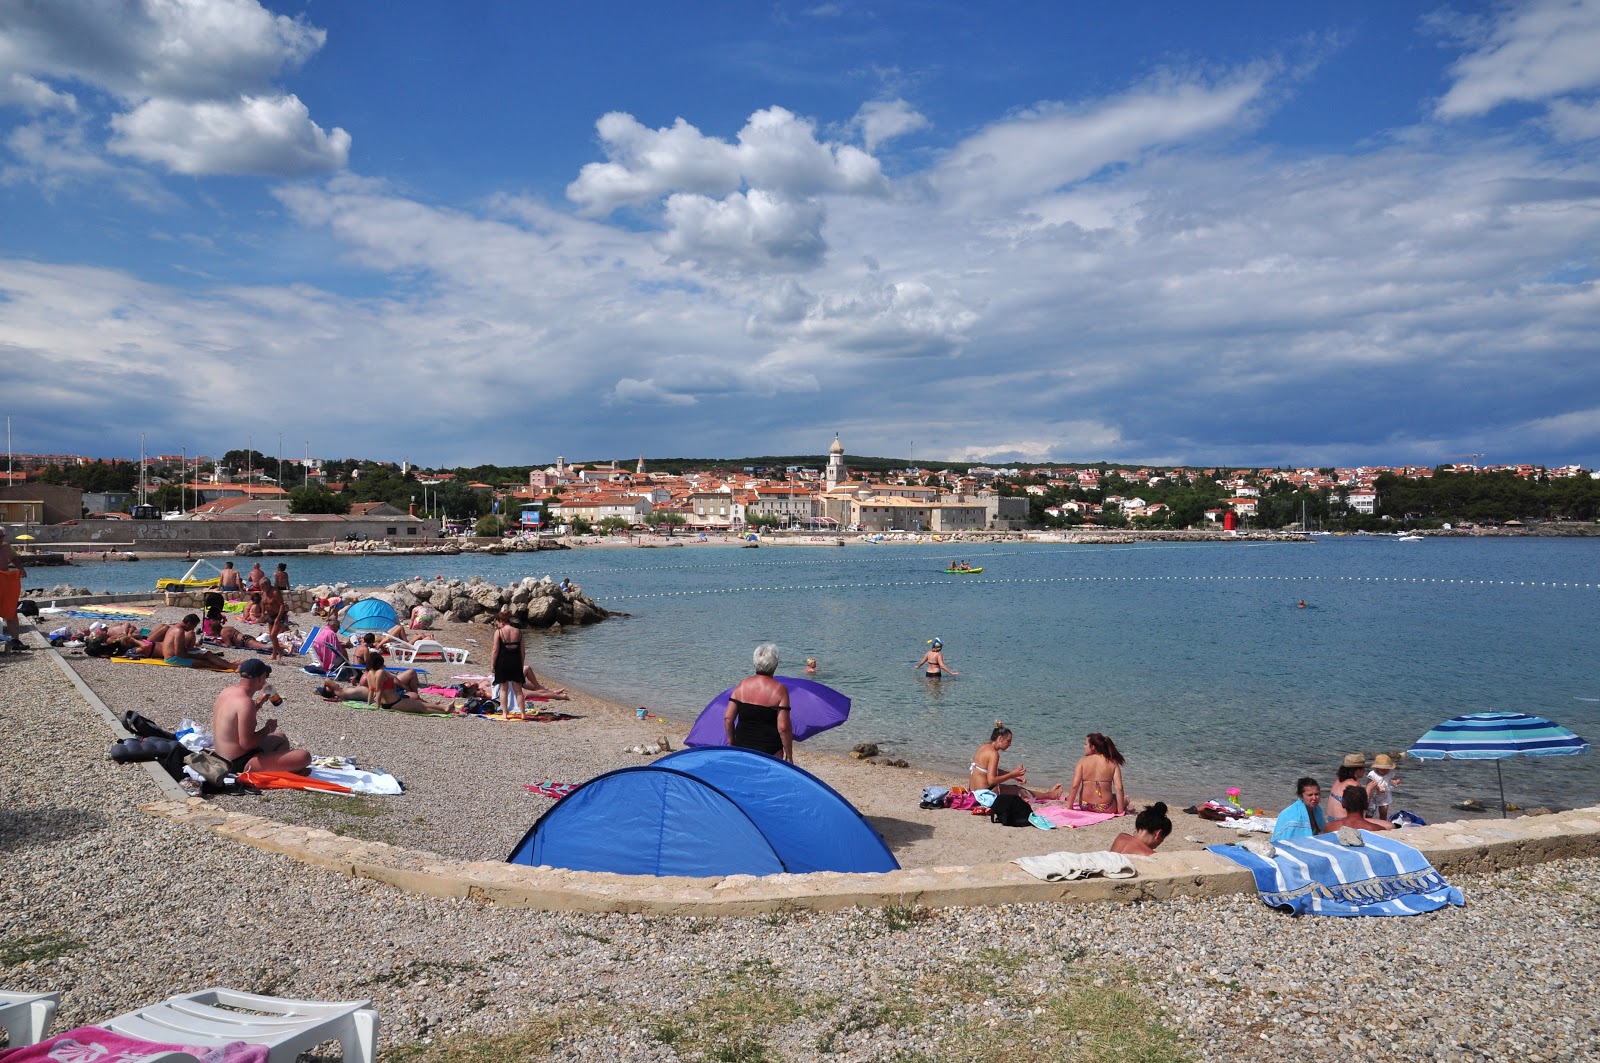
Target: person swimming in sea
(933,660)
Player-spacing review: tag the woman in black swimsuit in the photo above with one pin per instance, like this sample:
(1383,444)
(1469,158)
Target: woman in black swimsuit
(508,665)
(758,710)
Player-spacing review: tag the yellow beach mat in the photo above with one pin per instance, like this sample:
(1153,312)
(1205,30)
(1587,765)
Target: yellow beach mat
(532,717)
(198,666)
(114,610)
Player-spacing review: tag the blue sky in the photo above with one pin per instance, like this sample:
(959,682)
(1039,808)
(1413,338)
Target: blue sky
(1248,233)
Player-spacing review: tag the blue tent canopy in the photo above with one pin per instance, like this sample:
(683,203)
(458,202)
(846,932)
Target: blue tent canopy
(368,614)
(705,813)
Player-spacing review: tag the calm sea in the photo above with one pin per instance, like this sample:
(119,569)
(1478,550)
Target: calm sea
(1194,658)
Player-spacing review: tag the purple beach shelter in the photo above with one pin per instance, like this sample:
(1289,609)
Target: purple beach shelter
(813,708)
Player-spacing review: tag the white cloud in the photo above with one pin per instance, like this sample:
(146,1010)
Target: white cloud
(1051,146)
(1574,121)
(751,230)
(34,95)
(777,153)
(252,135)
(881,120)
(188,49)
(1533,52)
(190,80)
(630,392)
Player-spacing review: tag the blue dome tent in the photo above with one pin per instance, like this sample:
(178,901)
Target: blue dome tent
(704,813)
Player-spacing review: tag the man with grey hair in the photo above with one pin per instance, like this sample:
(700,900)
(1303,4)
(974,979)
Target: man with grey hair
(758,710)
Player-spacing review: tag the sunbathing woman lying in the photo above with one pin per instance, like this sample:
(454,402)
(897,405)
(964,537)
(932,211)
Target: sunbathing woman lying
(382,690)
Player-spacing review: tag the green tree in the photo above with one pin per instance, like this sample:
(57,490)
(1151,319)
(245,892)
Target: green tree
(490,527)
(659,519)
(317,499)
(612,525)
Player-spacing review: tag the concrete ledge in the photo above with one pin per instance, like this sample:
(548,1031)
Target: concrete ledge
(1452,847)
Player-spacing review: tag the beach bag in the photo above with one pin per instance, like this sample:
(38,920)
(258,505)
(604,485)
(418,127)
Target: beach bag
(962,800)
(143,727)
(1009,810)
(209,766)
(935,796)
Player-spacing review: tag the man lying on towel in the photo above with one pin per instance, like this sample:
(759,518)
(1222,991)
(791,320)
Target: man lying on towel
(246,745)
(180,646)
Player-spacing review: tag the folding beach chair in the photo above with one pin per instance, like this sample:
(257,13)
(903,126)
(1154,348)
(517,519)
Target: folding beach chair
(26,1017)
(215,1017)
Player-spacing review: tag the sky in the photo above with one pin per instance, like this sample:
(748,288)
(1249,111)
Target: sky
(1250,233)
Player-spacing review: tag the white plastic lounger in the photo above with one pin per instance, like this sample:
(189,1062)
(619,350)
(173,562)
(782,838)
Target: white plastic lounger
(427,650)
(27,1016)
(215,1017)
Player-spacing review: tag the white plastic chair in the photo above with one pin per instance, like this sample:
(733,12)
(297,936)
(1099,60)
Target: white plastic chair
(426,649)
(215,1017)
(27,1016)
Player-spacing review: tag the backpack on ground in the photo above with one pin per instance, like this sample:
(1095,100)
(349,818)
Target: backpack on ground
(935,796)
(1010,810)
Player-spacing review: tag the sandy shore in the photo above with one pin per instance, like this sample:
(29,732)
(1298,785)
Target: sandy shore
(464,777)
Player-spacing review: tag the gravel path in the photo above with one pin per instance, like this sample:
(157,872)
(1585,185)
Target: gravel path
(115,909)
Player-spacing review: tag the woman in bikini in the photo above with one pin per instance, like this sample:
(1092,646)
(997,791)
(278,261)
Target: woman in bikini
(986,774)
(382,690)
(758,710)
(1149,831)
(1097,780)
(933,660)
(507,659)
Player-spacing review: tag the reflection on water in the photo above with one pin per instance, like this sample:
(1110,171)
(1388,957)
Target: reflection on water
(1195,658)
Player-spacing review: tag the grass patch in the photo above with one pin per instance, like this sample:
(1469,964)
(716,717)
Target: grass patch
(362,805)
(539,1038)
(729,1024)
(897,917)
(30,947)
(1082,1023)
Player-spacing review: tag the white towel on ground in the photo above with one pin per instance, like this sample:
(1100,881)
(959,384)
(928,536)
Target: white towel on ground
(361,782)
(1066,867)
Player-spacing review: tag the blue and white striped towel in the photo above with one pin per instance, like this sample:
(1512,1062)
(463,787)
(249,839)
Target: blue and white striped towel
(1321,877)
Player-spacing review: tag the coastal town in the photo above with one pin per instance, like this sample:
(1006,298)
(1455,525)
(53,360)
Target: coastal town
(247,496)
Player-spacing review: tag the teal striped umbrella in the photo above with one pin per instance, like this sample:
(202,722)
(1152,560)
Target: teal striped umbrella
(1496,736)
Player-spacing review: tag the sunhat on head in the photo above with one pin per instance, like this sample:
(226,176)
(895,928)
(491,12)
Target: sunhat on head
(1355,760)
(1382,760)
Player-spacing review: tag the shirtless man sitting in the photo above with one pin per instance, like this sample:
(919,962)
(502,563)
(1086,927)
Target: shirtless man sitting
(180,645)
(1355,814)
(240,740)
(229,583)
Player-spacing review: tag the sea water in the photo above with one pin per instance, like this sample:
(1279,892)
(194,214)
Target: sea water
(1194,657)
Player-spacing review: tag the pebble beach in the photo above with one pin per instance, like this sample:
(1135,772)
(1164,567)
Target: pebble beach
(116,908)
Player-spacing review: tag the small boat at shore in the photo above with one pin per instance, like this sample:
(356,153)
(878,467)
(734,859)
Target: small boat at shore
(1409,539)
(193,580)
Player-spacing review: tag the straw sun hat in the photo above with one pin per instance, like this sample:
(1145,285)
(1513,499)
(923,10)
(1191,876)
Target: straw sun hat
(1355,760)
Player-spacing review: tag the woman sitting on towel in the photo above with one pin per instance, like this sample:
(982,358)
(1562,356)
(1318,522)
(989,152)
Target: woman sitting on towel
(1149,831)
(1355,813)
(986,773)
(1097,780)
(381,690)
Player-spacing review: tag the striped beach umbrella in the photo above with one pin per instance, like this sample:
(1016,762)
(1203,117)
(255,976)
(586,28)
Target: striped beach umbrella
(1496,736)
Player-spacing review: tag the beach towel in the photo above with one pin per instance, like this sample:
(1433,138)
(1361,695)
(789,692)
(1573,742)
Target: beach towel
(98,1044)
(379,708)
(1251,824)
(1049,817)
(1319,876)
(557,790)
(1068,867)
(354,779)
(288,780)
(200,666)
(532,717)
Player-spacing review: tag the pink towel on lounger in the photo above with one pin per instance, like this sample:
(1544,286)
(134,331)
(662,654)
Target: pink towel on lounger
(1062,816)
(95,1043)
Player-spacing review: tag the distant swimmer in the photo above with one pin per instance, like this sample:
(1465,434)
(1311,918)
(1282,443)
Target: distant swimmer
(1302,603)
(811,666)
(934,660)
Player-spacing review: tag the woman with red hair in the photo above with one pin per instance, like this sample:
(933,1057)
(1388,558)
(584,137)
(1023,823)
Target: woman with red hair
(1097,780)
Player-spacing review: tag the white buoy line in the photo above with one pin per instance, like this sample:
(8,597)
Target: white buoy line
(1440,581)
